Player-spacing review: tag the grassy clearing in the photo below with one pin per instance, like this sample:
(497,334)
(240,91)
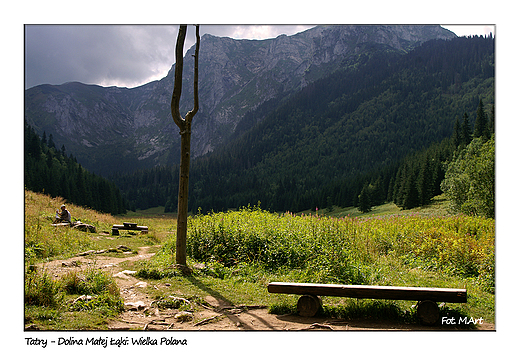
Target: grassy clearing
(73,302)
(44,242)
(438,207)
(48,300)
(242,251)
(234,256)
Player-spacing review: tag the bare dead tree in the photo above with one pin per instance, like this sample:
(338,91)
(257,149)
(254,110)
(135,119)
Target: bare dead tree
(184,125)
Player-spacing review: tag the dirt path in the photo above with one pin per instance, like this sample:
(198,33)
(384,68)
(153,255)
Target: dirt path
(143,313)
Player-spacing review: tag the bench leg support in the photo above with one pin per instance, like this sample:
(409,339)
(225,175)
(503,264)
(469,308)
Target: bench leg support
(428,312)
(309,305)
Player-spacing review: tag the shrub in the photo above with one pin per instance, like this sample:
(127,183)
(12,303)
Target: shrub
(41,290)
(332,250)
(105,302)
(100,285)
(470,179)
(93,282)
(155,273)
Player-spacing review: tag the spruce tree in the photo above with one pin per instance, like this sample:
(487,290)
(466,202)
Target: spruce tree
(50,143)
(465,130)
(399,184)
(481,123)
(378,194)
(411,194)
(457,135)
(34,147)
(426,184)
(364,199)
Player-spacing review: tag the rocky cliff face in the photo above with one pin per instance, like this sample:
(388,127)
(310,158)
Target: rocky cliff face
(110,129)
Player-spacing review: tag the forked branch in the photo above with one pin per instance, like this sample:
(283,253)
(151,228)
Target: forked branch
(177,88)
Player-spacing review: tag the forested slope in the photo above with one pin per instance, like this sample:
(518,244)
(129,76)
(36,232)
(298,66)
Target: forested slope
(317,147)
(49,170)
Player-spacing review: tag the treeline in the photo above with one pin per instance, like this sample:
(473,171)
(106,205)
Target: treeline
(341,136)
(418,178)
(49,170)
(148,188)
(410,183)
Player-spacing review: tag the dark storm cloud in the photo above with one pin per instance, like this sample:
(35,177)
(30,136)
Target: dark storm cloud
(95,54)
(121,55)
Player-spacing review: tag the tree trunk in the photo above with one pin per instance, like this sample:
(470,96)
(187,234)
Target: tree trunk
(182,208)
(185,132)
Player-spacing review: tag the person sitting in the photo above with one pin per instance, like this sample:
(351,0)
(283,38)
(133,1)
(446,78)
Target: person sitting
(63,216)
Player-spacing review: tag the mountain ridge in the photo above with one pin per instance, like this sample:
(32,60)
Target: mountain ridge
(112,129)
(319,146)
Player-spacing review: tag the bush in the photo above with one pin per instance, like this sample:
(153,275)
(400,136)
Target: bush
(41,290)
(93,282)
(105,302)
(346,250)
(470,179)
(155,273)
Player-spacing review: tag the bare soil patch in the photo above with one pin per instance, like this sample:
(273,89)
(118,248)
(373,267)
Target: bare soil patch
(143,313)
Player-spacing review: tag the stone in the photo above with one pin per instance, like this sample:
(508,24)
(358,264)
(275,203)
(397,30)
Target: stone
(128,272)
(70,264)
(199,266)
(139,305)
(84,227)
(121,275)
(89,252)
(183,316)
(82,298)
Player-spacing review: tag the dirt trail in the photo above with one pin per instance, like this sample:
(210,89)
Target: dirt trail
(143,313)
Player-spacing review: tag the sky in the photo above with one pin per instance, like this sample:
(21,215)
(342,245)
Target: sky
(131,55)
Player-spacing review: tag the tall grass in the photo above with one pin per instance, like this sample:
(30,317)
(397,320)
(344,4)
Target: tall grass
(346,250)
(40,289)
(43,241)
(47,298)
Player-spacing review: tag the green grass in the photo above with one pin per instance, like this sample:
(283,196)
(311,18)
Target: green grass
(418,248)
(56,304)
(438,207)
(44,242)
(234,255)
(151,212)
(47,298)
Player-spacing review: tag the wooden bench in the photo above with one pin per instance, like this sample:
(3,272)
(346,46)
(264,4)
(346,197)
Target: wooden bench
(129,226)
(427,308)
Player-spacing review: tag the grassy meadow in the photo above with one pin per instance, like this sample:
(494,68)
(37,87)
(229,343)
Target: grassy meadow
(234,255)
(47,298)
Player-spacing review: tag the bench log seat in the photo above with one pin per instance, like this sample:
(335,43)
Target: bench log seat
(129,226)
(427,308)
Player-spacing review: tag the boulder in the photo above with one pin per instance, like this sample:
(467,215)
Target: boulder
(83,227)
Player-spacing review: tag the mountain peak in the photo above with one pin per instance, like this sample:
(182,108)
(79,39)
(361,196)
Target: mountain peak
(236,77)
